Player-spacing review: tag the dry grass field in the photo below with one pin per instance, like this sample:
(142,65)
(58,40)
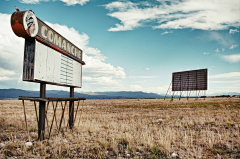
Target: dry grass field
(127,128)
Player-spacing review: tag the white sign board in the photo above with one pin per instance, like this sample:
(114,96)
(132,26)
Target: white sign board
(44,64)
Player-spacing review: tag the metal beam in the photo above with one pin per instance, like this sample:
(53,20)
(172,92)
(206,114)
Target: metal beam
(42,105)
(71,108)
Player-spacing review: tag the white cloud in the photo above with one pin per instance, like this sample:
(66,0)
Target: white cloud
(73,2)
(68,2)
(32,1)
(10,57)
(223,49)
(136,87)
(226,82)
(101,82)
(226,75)
(206,53)
(231,58)
(217,50)
(167,32)
(93,51)
(233,46)
(142,77)
(225,40)
(158,90)
(204,14)
(147,68)
(80,40)
(6,72)
(162,90)
(4,78)
(233,31)
(232,82)
(95,72)
(122,6)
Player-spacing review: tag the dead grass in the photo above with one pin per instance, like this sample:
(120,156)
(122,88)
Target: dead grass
(126,128)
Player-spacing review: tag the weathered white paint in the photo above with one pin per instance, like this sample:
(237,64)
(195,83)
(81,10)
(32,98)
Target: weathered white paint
(66,72)
(47,64)
(52,66)
(39,63)
(77,74)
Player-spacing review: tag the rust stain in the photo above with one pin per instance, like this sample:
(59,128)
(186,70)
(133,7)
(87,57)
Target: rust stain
(29,55)
(17,24)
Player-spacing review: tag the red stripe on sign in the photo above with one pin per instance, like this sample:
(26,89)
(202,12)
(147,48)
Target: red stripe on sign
(58,49)
(52,46)
(41,40)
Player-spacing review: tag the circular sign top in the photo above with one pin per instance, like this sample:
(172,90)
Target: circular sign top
(30,23)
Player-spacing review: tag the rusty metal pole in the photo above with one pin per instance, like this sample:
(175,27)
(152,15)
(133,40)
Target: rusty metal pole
(26,120)
(71,108)
(42,104)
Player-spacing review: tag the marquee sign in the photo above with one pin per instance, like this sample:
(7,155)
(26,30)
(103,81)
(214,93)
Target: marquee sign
(48,56)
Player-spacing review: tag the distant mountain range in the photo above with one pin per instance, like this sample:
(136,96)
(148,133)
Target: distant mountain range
(225,93)
(15,93)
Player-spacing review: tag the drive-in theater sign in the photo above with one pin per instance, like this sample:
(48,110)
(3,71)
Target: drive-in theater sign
(49,58)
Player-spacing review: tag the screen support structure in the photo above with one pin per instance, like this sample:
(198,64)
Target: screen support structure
(42,107)
(59,128)
(171,94)
(71,108)
(42,111)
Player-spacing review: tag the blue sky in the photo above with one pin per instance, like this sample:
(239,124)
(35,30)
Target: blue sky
(132,45)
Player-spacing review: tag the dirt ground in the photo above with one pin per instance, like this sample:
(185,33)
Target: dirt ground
(125,128)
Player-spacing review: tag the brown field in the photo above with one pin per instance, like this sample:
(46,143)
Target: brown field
(126,128)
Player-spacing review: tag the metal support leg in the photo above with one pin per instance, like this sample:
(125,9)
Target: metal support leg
(42,104)
(26,120)
(71,108)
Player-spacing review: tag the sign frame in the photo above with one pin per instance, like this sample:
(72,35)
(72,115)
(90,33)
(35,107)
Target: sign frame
(37,35)
(192,80)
